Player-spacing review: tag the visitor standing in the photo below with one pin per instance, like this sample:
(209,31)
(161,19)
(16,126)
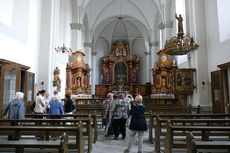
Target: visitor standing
(16,109)
(138,124)
(120,115)
(106,107)
(40,103)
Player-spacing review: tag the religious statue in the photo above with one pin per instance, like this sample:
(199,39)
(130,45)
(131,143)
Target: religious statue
(57,80)
(179,80)
(78,82)
(180,24)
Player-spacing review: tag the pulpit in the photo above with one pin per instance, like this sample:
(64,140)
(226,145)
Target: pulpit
(77,75)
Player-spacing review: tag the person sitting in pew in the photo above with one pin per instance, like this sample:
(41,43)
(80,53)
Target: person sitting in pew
(16,109)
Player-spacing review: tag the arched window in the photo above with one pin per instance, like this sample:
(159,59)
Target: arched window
(180,9)
(223,19)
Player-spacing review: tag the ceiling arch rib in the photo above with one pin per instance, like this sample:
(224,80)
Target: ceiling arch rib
(87,3)
(133,27)
(113,9)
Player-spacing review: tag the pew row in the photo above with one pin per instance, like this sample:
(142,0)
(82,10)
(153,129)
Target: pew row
(61,145)
(161,124)
(153,123)
(193,146)
(55,122)
(94,118)
(170,143)
(48,131)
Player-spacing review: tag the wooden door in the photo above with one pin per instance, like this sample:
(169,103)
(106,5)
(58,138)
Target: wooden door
(29,91)
(9,85)
(217,92)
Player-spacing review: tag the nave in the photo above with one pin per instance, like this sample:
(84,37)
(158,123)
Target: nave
(109,145)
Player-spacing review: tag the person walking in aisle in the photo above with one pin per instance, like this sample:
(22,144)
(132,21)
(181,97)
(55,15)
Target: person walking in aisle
(138,124)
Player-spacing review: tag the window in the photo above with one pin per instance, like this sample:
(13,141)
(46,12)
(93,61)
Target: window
(180,9)
(223,19)
(6,12)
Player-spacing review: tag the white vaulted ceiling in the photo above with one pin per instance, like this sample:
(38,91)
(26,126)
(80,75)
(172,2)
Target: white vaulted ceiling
(99,10)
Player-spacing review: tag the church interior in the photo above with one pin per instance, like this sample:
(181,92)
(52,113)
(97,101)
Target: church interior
(174,53)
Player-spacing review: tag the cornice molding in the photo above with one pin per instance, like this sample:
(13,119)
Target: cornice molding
(76,26)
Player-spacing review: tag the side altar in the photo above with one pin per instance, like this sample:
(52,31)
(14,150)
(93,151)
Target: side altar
(120,71)
(170,82)
(77,76)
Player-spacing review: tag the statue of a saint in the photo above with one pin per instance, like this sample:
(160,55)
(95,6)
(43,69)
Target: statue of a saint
(180,24)
(57,80)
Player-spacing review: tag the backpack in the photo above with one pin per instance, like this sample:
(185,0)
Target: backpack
(32,106)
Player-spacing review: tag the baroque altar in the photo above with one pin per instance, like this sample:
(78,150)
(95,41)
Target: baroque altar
(120,71)
(171,82)
(77,75)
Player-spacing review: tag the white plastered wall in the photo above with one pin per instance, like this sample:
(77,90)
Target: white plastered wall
(218,50)
(20,39)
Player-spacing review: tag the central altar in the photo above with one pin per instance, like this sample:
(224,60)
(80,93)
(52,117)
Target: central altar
(120,71)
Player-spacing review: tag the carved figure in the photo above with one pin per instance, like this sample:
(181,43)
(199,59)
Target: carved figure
(180,24)
(57,80)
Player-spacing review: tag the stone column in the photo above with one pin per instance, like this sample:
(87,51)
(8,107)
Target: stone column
(147,53)
(93,72)
(76,36)
(48,40)
(88,49)
(155,47)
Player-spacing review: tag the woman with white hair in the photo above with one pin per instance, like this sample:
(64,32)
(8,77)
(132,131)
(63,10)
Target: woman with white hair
(16,107)
(56,106)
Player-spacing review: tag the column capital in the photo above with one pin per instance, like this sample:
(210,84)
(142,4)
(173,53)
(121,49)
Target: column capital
(76,26)
(88,44)
(93,53)
(154,43)
(168,24)
(161,26)
(147,53)
(165,25)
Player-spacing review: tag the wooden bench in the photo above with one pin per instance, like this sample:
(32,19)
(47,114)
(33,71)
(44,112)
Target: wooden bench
(204,130)
(56,122)
(47,131)
(19,145)
(94,118)
(193,145)
(153,119)
(161,124)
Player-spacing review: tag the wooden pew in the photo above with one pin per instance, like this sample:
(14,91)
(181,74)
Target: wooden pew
(161,124)
(56,122)
(193,145)
(204,130)
(17,131)
(61,145)
(75,116)
(153,121)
